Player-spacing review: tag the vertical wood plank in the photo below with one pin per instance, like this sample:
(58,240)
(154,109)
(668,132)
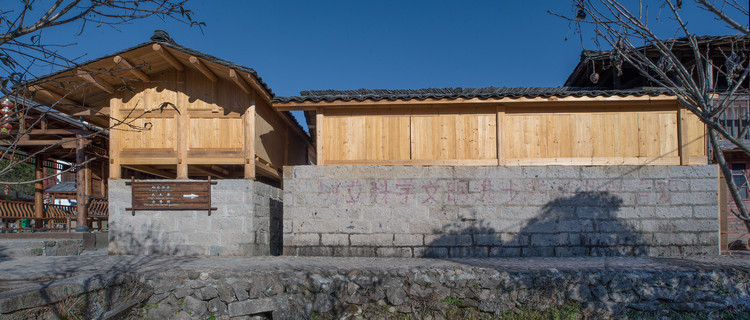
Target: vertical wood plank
(114,138)
(249,119)
(183,128)
(682,136)
(319,138)
(501,135)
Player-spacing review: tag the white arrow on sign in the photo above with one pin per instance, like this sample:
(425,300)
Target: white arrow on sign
(190,196)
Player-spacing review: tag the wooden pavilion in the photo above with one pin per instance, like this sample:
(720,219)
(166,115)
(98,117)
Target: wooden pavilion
(57,144)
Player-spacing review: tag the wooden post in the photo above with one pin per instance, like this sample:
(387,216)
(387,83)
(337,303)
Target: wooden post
(723,212)
(682,136)
(103,180)
(319,147)
(183,130)
(82,215)
(500,137)
(39,190)
(249,124)
(114,138)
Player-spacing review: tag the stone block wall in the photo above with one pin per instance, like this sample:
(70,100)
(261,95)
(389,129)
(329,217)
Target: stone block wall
(241,225)
(411,211)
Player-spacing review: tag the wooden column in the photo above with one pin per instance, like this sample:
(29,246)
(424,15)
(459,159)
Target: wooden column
(103,180)
(183,130)
(723,213)
(39,190)
(682,136)
(114,138)
(319,147)
(500,137)
(82,217)
(249,124)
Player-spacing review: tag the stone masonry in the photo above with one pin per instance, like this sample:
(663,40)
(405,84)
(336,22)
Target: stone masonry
(412,211)
(241,225)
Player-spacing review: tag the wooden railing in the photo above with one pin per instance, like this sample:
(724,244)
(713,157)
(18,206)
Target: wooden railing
(55,216)
(735,118)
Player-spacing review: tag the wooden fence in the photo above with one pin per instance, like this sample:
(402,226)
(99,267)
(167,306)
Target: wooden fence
(54,217)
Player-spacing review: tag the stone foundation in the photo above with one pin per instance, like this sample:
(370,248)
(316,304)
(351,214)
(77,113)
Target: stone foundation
(411,211)
(241,225)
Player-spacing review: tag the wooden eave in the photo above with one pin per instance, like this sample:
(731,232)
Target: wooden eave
(523,101)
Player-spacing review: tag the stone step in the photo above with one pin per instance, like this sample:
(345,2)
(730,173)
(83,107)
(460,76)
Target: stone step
(16,248)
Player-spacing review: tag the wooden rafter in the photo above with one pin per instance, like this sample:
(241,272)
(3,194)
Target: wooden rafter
(209,170)
(239,81)
(133,70)
(203,69)
(86,75)
(168,57)
(39,90)
(254,83)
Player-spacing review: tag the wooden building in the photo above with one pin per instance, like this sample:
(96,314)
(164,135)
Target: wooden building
(597,69)
(174,112)
(500,126)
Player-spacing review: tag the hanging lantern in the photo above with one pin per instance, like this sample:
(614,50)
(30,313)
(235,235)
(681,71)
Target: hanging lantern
(6,189)
(6,108)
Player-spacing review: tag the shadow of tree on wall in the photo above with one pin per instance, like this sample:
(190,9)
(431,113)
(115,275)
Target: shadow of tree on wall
(584,224)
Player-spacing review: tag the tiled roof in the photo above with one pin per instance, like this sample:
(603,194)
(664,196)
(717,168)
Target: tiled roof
(62,187)
(461,93)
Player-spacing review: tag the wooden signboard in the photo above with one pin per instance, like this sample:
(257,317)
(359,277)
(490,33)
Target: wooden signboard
(171,195)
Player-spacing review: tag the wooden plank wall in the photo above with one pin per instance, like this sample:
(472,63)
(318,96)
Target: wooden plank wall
(213,117)
(531,135)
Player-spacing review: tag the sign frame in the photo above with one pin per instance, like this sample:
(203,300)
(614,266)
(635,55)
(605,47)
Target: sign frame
(139,203)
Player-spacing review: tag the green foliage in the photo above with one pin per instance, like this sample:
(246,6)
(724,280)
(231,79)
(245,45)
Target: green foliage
(18,173)
(212,317)
(452,300)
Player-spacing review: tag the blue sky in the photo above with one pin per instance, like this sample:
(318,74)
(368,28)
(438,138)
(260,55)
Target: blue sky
(312,45)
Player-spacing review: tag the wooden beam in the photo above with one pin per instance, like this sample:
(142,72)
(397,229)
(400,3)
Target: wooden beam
(682,136)
(26,143)
(151,171)
(249,125)
(168,57)
(319,147)
(86,75)
(240,83)
(203,69)
(500,137)
(183,129)
(114,138)
(133,70)
(266,170)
